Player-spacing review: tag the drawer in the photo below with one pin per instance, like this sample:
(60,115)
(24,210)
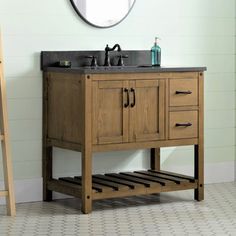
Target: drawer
(183,124)
(183,92)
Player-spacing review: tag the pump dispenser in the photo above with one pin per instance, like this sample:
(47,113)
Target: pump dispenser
(156,53)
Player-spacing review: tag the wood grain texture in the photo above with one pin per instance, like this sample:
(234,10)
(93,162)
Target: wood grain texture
(141,145)
(5,142)
(183,85)
(149,115)
(199,149)
(86,159)
(110,116)
(181,118)
(64,103)
(155,158)
(119,112)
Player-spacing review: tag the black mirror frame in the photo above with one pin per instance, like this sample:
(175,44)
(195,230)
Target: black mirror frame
(97,26)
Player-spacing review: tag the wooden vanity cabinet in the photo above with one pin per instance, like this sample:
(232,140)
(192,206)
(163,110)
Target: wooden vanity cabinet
(117,111)
(128,111)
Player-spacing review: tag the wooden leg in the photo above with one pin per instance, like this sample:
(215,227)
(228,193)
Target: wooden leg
(8,179)
(86,181)
(155,159)
(199,172)
(47,172)
(5,143)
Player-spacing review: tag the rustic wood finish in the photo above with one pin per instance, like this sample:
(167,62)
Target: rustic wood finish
(181,118)
(130,183)
(8,193)
(106,112)
(199,149)
(155,155)
(86,144)
(177,89)
(47,149)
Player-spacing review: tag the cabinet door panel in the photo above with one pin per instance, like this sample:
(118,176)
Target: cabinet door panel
(148,113)
(110,117)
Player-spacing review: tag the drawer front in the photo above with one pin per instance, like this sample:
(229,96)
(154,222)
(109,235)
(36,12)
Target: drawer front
(183,124)
(183,92)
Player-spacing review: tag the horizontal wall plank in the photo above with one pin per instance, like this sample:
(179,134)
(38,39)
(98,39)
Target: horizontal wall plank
(25,130)
(20,109)
(24,87)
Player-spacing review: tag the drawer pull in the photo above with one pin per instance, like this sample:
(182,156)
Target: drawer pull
(183,92)
(127,92)
(183,124)
(133,103)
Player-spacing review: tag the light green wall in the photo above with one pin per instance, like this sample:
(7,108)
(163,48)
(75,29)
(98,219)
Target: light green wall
(193,33)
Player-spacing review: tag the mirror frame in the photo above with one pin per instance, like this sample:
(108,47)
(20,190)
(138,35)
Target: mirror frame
(98,26)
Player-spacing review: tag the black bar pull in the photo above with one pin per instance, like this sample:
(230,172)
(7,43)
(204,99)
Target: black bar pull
(183,124)
(133,91)
(183,92)
(127,102)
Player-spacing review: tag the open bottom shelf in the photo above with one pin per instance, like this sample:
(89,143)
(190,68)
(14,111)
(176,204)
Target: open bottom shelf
(125,184)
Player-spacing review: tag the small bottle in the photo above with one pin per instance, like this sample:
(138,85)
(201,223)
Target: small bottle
(156,53)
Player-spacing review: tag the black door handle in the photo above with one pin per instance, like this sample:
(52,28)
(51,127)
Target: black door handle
(183,92)
(133,91)
(183,124)
(127,101)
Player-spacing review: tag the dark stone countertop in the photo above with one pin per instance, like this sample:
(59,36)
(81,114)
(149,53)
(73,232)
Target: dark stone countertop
(125,69)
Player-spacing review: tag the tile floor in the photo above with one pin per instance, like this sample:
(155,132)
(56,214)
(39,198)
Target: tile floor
(174,213)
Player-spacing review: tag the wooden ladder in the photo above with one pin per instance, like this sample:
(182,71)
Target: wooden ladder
(4,137)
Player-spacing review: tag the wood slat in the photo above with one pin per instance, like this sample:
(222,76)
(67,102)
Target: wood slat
(95,187)
(131,176)
(130,184)
(3,193)
(190,178)
(115,186)
(64,187)
(78,182)
(162,176)
(118,177)
(150,178)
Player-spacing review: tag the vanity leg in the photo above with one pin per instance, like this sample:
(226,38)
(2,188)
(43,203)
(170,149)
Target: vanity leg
(86,181)
(47,150)
(47,172)
(199,172)
(155,159)
(86,157)
(199,149)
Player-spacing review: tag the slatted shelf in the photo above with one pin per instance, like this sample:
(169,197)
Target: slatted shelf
(125,184)
(190,178)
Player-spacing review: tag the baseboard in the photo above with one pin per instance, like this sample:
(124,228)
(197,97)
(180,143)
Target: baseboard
(30,190)
(213,172)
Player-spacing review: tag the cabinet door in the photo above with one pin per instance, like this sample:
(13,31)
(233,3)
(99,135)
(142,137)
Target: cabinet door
(147,110)
(110,116)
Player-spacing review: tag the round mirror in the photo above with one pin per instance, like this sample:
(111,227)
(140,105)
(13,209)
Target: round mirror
(103,13)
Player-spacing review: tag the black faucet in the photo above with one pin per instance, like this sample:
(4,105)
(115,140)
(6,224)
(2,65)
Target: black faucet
(107,50)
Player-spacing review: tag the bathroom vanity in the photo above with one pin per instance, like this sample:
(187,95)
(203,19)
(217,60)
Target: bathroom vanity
(118,108)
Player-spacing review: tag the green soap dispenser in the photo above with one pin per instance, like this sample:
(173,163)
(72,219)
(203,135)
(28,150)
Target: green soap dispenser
(156,53)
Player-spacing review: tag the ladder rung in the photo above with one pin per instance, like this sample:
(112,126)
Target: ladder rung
(3,193)
(1,137)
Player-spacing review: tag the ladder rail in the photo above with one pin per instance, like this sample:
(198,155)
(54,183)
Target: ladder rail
(4,137)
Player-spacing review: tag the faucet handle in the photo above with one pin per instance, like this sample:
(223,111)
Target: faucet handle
(93,61)
(121,61)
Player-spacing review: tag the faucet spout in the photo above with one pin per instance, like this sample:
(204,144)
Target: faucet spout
(107,50)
